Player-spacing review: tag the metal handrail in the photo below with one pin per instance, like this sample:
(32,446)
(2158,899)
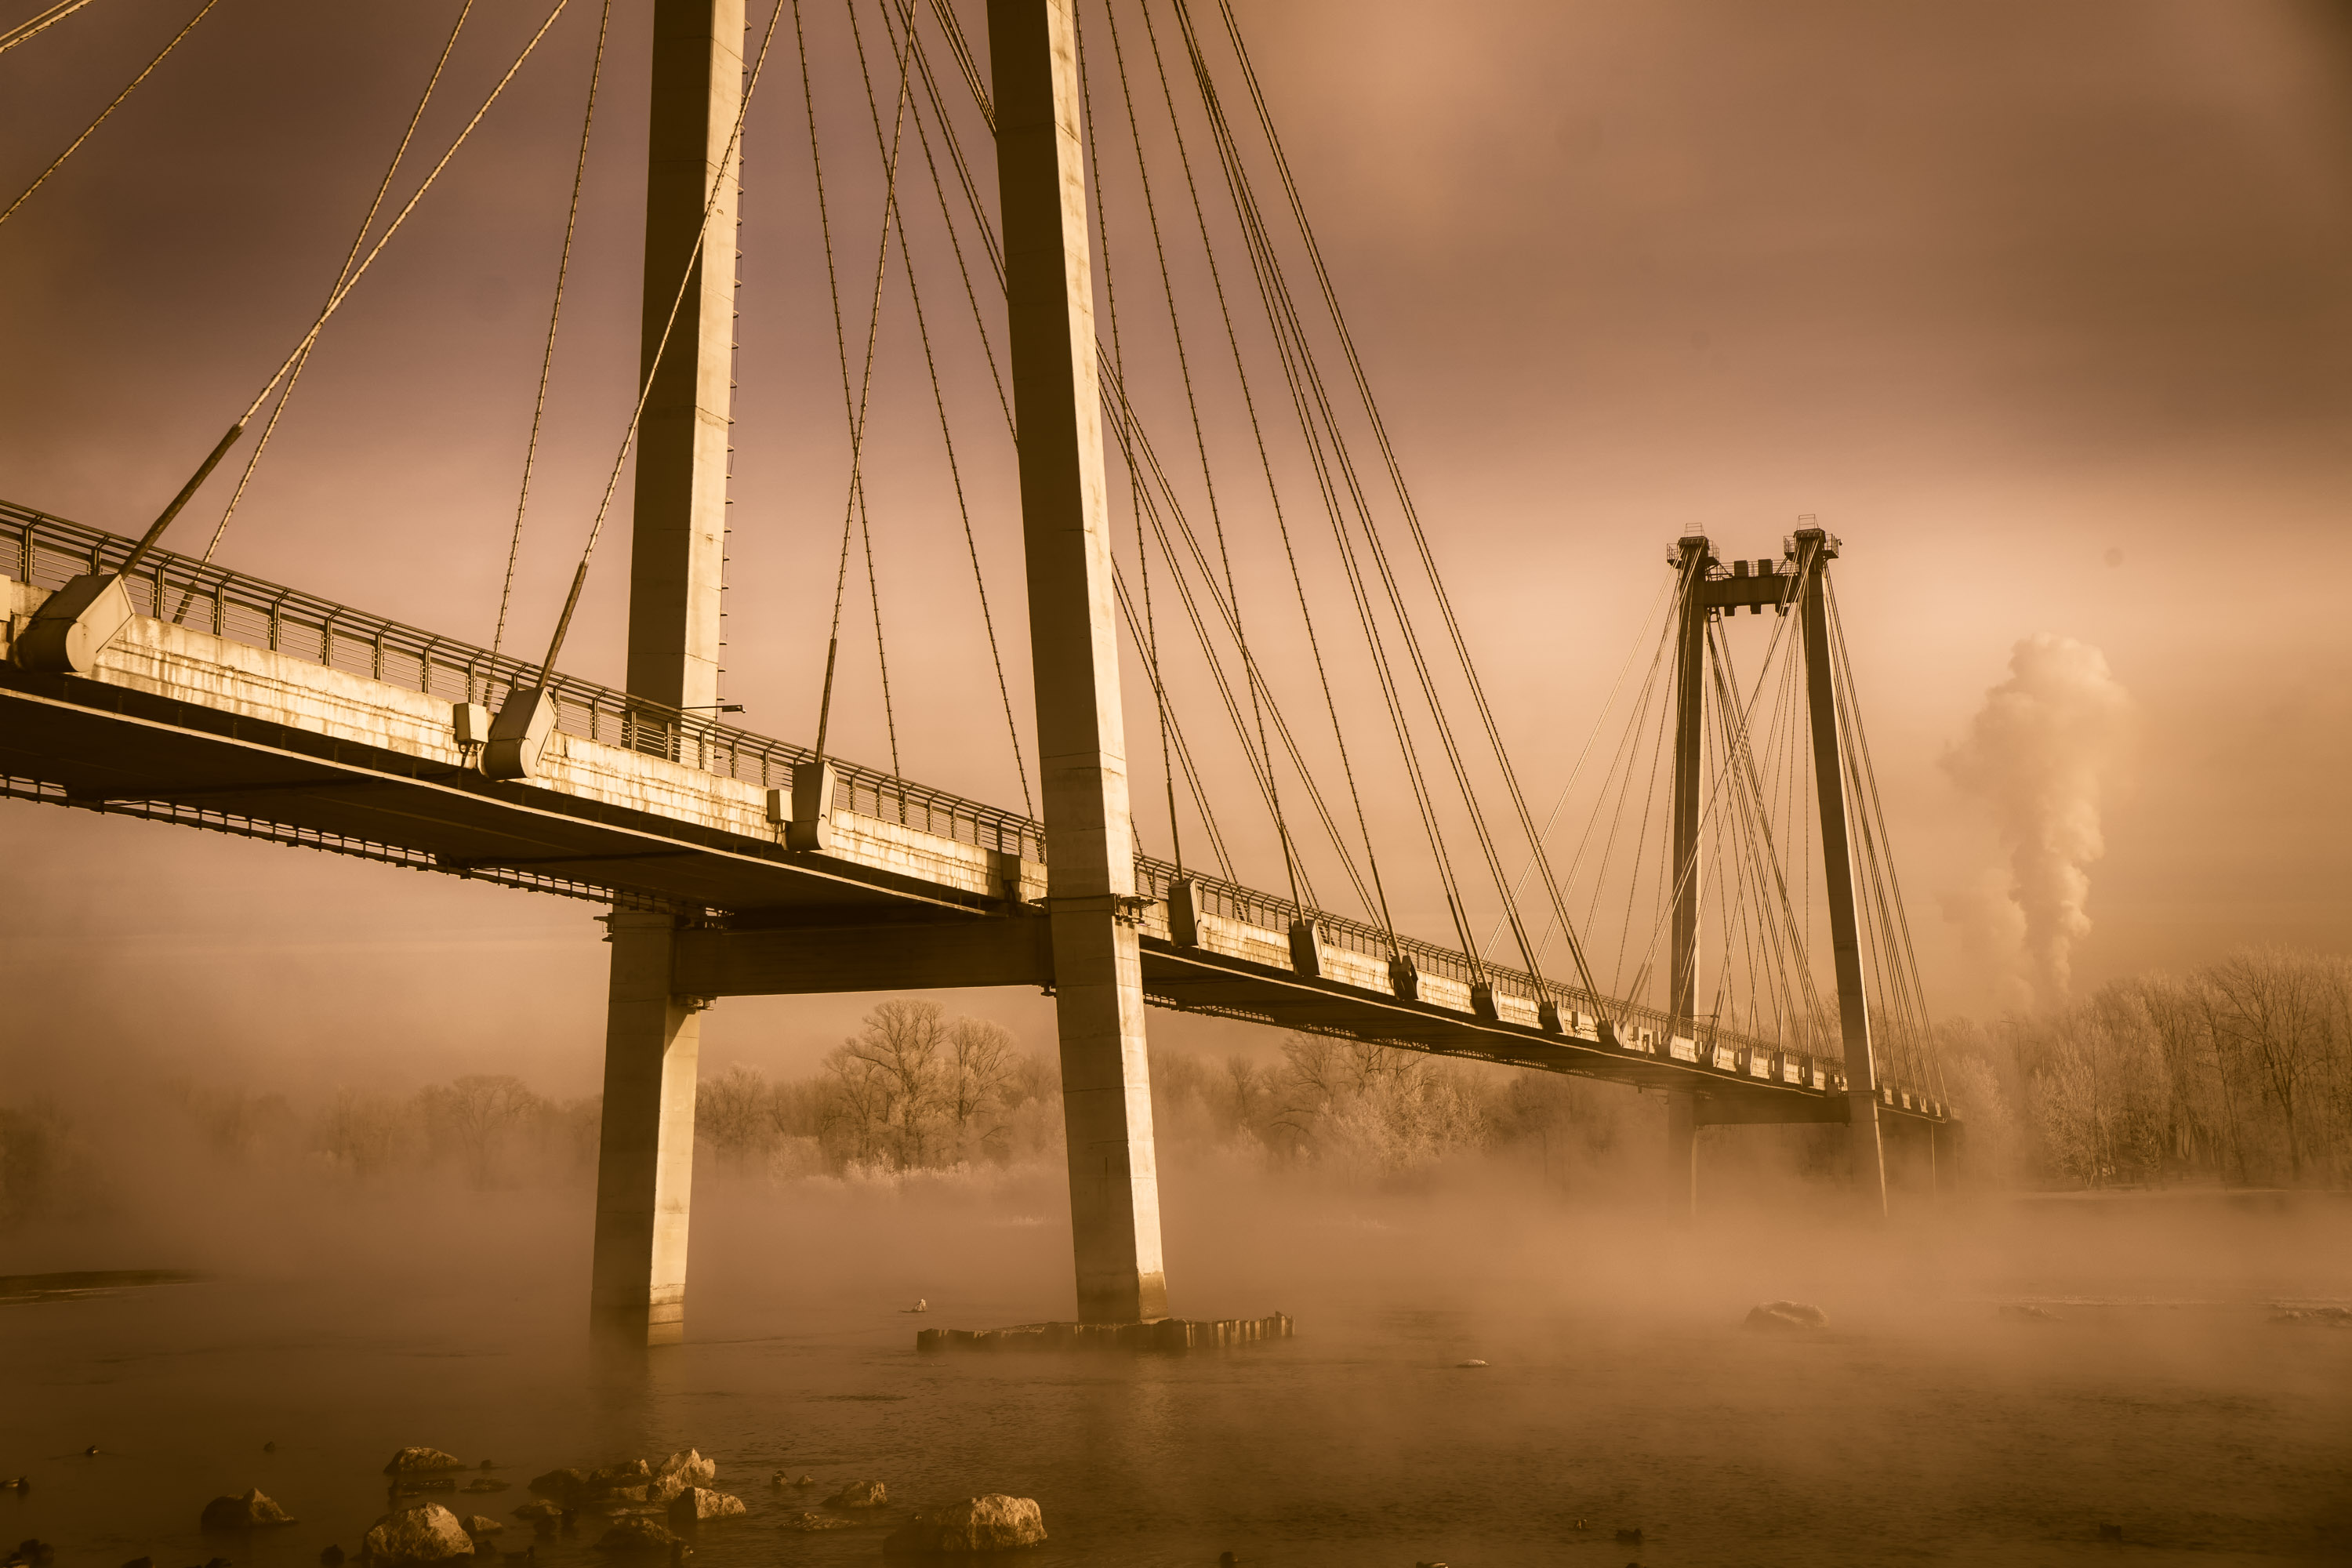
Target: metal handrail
(47,551)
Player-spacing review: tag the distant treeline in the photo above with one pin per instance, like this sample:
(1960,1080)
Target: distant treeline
(2240,1073)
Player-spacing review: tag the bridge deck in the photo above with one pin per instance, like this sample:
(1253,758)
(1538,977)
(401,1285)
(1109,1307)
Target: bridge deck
(251,708)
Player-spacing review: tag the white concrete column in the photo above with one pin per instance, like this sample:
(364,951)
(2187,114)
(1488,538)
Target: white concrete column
(1681,1187)
(644,1151)
(1073,651)
(679,535)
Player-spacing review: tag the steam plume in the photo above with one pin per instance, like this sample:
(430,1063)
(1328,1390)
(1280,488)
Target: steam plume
(2041,752)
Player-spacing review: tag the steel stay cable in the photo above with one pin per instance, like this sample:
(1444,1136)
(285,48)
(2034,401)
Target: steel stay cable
(1297,368)
(1749,797)
(853,507)
(1200,442)
(1706,808)
(1184,753)
(42,178)
(677,303)
(1237,180)
(1378,429)
(156,530)
(1861,736)
(38,23)
(1632,649)
(554,317)
(955,472)
(1148,644)
(382,188)
(1378,905)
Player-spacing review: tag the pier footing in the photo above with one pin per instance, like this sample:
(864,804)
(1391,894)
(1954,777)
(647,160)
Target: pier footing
(1171,1334)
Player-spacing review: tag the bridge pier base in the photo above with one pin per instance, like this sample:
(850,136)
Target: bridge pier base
(644,1150)
(1682,1153)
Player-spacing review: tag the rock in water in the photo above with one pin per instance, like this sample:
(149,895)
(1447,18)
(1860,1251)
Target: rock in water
(679,1473)
(992,1523)
(485,1484)
(634,1536)
(544,1509)
(696,1504)
(563,1484)
(816,1521)
(422,1461)
(425,1533)
(2028,1311)
(482,1524)
(858,1494)
(1787,1315)
(330,1557)
(1466,1364)
(251,1511)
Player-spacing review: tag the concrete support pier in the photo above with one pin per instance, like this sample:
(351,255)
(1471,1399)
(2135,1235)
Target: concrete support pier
(645,1156)
(644,1151)
(1081,735)
(1681,1185)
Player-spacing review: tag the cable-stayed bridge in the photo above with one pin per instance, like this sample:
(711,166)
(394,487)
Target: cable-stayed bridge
(1732,839)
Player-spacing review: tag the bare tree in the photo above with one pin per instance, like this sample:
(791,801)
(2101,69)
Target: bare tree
(731,1113)
(473,1114)
(980,1070)
(892,1081)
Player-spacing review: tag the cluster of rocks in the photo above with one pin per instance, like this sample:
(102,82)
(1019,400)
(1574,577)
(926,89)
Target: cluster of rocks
(647,1510)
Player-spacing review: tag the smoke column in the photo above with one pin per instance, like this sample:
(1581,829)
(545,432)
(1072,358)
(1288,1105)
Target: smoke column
(2047,743)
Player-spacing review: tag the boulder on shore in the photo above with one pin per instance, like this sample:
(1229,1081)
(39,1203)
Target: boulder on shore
(425,1533)
(422,1461)
(992,1523)
(636,1535)
(1787,1315)
(696,1504)
(859,1494)
(251,1511)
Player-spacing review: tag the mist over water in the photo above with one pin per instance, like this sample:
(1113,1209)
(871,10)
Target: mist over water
(1925,1424)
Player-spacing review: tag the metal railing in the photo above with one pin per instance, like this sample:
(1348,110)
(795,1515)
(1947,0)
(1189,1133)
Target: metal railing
(47,551)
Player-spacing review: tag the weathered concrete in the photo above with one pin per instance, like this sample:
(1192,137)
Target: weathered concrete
(1073,651)
(644,1151)
(679,531)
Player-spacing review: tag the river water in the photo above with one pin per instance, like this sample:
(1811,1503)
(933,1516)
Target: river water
(1924,1425)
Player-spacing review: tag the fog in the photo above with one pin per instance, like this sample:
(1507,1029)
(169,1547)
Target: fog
(2003,1370)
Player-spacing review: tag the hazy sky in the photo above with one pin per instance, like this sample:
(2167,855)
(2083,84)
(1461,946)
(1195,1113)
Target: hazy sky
(2045,310)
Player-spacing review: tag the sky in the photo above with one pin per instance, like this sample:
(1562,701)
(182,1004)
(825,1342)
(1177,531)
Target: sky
(2044,311)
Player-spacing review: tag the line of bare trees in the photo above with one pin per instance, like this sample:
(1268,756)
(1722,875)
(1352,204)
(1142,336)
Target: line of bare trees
(2240,1072)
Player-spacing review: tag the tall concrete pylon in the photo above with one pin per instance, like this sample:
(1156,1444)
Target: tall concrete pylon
(1693,555)
(1815,549)
(645,1159)
(1081,737)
